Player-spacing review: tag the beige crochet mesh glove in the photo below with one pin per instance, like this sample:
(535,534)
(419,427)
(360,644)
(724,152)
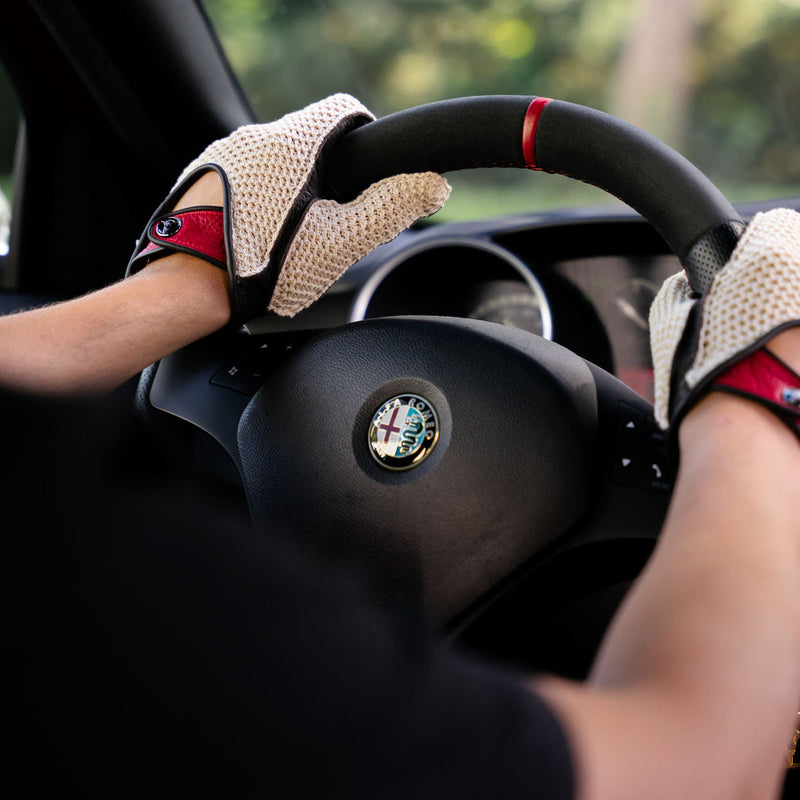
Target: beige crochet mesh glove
(283,245)
(754,296)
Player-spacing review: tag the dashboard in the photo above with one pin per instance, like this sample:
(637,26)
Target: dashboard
(582,279)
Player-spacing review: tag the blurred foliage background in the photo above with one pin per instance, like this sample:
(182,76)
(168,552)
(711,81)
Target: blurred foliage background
(717,79)
(9,123)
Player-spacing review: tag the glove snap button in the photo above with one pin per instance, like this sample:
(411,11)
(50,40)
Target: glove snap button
(168,227)
(791,396)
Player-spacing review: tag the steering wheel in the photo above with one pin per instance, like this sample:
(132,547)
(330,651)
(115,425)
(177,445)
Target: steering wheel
(454,461)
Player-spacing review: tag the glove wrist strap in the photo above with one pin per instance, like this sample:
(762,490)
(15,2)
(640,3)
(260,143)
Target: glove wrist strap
(198,231)
(764,378)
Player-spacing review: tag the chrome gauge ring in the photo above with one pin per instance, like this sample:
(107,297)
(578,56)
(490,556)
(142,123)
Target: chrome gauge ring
(457,277)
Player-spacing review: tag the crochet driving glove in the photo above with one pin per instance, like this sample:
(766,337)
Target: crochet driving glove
(718,341)
(282,244)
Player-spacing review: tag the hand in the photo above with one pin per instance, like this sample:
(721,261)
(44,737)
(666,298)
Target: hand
(282,244)
(717,341)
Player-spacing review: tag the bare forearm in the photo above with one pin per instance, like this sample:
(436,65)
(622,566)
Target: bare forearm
(94,343)
(732,541)
(701,670)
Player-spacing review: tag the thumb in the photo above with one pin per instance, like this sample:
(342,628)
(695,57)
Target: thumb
(669,314)
(332,236)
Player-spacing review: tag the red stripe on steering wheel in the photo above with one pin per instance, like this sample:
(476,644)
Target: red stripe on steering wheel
(529,126)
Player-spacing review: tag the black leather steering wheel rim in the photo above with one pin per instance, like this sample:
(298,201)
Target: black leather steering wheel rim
(695,219)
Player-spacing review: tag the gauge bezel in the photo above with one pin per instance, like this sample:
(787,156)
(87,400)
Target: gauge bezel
(359,309)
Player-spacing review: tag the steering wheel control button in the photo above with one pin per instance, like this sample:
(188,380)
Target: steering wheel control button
(239,378)
(640,452)
(629,451)
(403,432)
(659,473)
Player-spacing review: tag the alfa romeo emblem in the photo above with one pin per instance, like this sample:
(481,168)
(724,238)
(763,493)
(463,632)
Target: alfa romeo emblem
(403,432)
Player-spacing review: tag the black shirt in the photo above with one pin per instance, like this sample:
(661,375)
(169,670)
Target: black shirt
(157,645)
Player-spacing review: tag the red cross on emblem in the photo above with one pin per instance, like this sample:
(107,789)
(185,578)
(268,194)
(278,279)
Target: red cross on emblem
(390,428)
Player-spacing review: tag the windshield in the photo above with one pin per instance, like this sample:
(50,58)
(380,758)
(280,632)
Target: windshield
(719,80)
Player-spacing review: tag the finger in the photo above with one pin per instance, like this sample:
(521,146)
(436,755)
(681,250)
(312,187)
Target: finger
(668,316)
(332,237)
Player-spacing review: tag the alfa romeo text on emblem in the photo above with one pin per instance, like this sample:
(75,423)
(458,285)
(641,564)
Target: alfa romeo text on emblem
(403,432)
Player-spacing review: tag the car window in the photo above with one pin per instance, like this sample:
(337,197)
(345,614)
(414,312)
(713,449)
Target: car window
(717,79)
(9,125)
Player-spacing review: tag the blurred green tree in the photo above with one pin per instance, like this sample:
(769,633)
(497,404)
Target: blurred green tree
(719,79)
(9,126)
